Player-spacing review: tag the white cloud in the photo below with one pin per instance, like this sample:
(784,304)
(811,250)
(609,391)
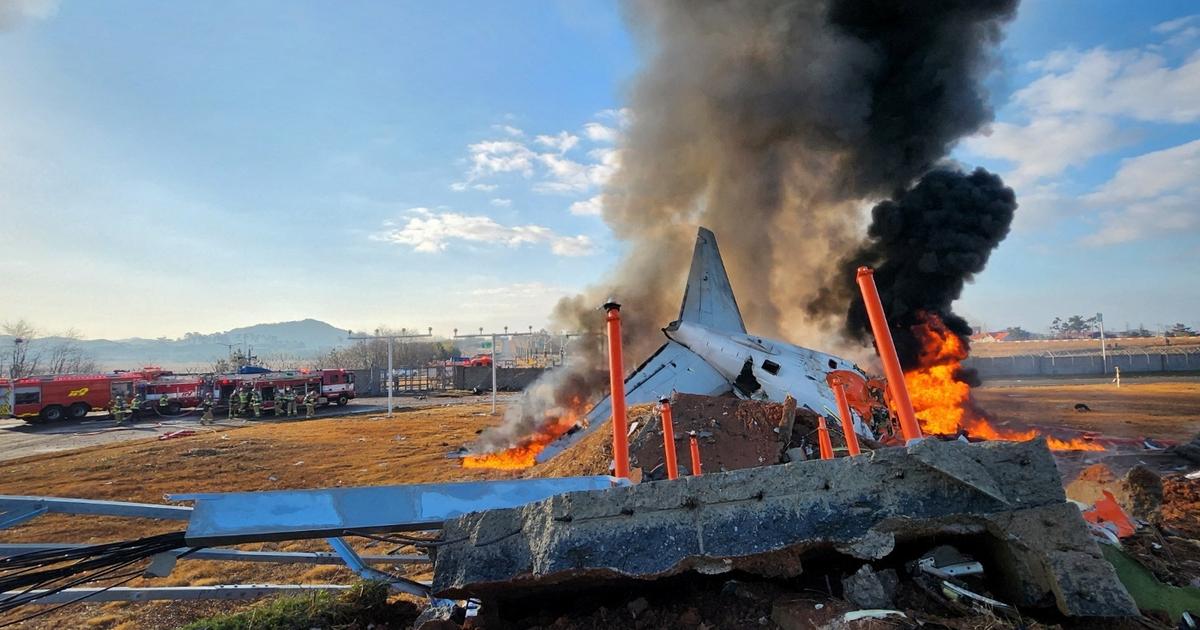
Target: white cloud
(1153,193)
(593,206)
(1047,146)
(600,133)
(428,231)
(564,175)
(484,187)
(510,130)
(560,142)
(1133,83)
(14,12)
(458,186)
(501,203)
(1178,24)
(500,156)
(620,116)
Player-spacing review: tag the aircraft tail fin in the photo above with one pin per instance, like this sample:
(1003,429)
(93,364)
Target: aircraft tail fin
(708,299)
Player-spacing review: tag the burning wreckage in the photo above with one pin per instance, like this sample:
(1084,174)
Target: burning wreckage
(974,528)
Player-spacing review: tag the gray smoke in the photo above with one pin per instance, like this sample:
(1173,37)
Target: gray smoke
(773,122)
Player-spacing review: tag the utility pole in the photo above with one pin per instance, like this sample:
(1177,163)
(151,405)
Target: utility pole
(1103,350)
(493,337)
(404,334)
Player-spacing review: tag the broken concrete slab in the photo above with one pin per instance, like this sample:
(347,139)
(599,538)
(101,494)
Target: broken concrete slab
(867,589)
(765,520)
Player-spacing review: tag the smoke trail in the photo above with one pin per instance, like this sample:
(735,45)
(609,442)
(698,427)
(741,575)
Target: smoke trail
(770,122)
(924,245)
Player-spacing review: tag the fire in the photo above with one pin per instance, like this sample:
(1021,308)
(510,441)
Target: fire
(524,453)
(943,402)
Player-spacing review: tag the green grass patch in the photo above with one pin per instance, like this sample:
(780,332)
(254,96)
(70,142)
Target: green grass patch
(364,604)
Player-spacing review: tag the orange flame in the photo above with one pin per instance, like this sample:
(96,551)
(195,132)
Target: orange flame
(524,453)
(943,403)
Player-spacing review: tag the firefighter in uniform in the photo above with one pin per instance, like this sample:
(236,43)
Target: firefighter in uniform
(135,405)
(310,404)
(256,402)
(291,404)
(118,409)
(164,404)
(243,400)
(207,405)
(281,402)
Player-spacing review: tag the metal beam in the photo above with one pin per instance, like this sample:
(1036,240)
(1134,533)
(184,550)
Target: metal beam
(356,564)
(176,593)
(235,555)
(94,507)
(237,517)
(16,516)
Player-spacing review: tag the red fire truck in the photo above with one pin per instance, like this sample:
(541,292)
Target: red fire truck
(333,387)
(51,398)
(72,396)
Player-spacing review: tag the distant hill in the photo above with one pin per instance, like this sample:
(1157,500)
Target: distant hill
(300,340)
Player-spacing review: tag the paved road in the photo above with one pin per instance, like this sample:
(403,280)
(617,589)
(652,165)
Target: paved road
(19,439)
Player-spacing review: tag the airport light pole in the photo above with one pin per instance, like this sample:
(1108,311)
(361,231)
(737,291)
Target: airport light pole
(493,337)
(404,334)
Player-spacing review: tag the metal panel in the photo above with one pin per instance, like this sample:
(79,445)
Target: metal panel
(94,507)
(129,594)
(16,516)
(237,555)
(236,517)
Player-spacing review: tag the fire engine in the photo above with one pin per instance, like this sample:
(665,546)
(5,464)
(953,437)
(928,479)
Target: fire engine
(73,396)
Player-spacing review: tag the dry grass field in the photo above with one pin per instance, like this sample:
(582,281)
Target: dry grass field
(1016,348)
(409,448)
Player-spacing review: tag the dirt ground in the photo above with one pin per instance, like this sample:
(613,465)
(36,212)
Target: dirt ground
(1161,410)
(410,448)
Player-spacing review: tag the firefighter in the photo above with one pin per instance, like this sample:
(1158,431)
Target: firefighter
(164,404)
(118,409)
(244,400)
(232,404)
(281,402)
(135,405)
(256,402)
(310,404)
(292,404)
(207,406)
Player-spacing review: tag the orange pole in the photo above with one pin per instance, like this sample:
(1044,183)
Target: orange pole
(839,392)
(887,353)
(669,440)
(695,444)
(823,439)
(616,379)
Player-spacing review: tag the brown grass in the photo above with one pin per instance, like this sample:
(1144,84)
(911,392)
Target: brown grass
(1159,410)
(410,448)
(1015,348)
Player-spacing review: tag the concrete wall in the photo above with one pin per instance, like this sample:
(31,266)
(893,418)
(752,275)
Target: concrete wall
(1090,365)
(507,379)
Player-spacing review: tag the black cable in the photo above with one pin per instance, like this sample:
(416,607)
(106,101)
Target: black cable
(129,577)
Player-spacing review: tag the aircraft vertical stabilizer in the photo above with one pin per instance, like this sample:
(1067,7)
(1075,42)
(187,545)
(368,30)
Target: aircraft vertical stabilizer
(708,299)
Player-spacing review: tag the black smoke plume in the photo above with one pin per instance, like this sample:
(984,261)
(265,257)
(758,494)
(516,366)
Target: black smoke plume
(771,122)
(925,245)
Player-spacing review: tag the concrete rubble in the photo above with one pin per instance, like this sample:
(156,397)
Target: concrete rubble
(1005,499)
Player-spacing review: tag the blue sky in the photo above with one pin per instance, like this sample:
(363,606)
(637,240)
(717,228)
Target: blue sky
(194,166)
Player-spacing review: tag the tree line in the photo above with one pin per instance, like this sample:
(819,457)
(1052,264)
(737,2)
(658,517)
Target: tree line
(33,353)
